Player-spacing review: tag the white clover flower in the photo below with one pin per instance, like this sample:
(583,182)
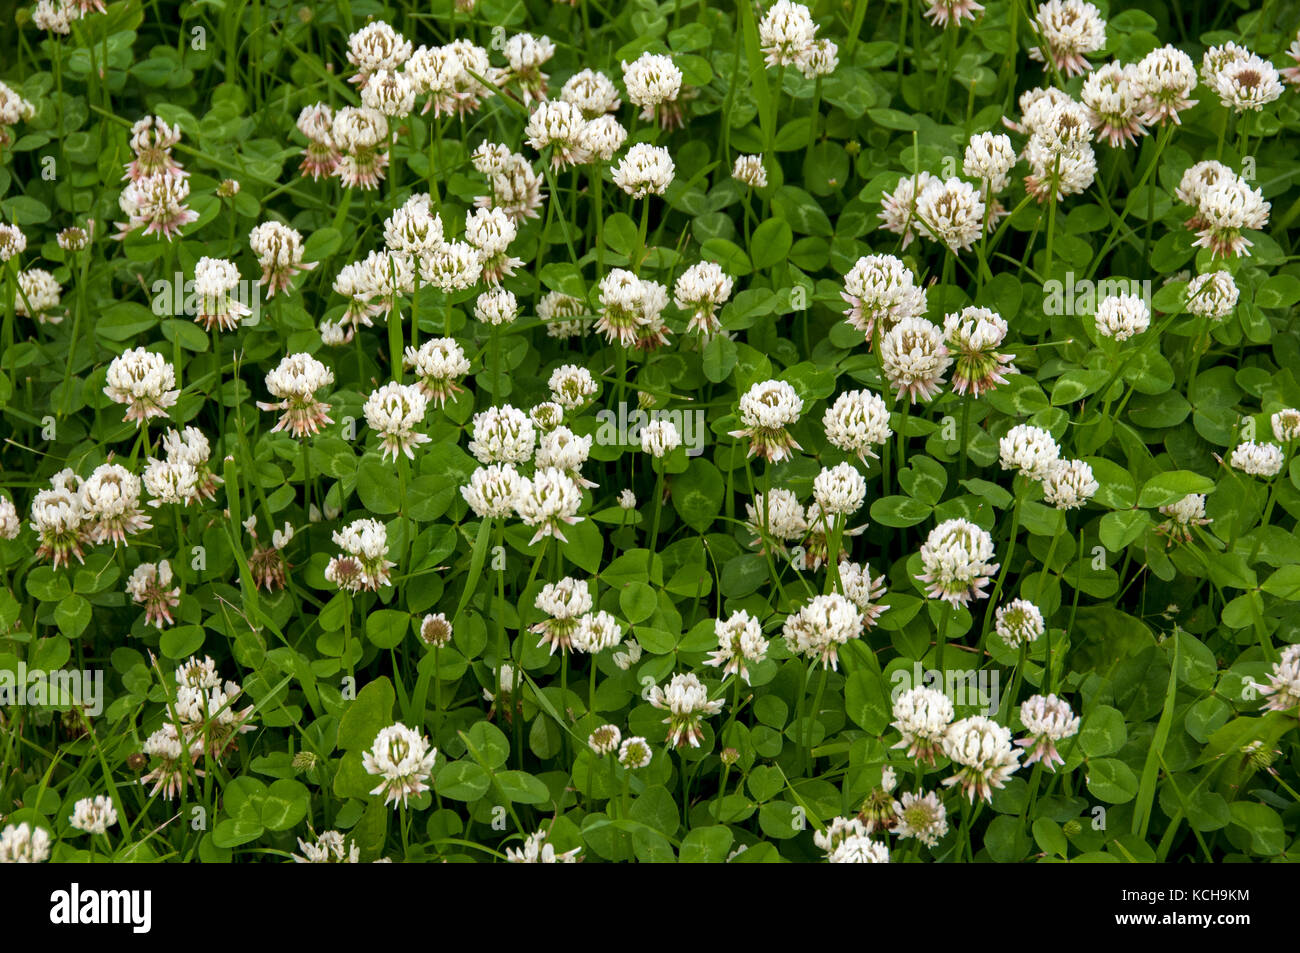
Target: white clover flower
(1166,78)
(563,449)
(537,851)
(654,83)
(644,170)
(1116,104)
(982,751)
(572,387)
(820,59)
(881,291)
(1030,451)
(955,557)
(360,132)
(548,501)
(1073,172)
(749,170)
(156,205)
(492,489)
(898,208)
(214,280)
(526,55)
(145,382)
(1212,295)
(687,702)
(700,289)
(496,307)
(863,589)
(840,490)
(403,760)
(592,92)
(453,266)
(1122,316)
(10,524)
(629,307)
(1019,622)
(1283,690)
(438,364)
(74,238)
(857,422)
(786,33)
(394,411)
(1243,80)
(279,250)
(837,830)
(1258,459)
(859,850)
(922,816)
(604,740)
(660,438)
(766,410)
(559,126)
(973,336)
(171,482)
(595,632)
(365,543)
(502,434)
(1071,29)
(1183,515)
(1048,719)
(565,603)
(951,212)
(24,844)
(1286,425)
(390,93)
(634,753)
(989,158)
(295,381)
(12,241)
(922,715)
(560,314)
(321,157)
(376,46)
(330,848)
(779,514)
(93,815)
(435,630)
(547,415)
(38,296)
(1069,484)
(602,137)
(740,642)
(914,358)
(110,501)
(824,624)
(1226,208)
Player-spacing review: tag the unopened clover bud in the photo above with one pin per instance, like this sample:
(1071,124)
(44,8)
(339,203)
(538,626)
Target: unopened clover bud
(730,756)
(305,761)
(1072,827)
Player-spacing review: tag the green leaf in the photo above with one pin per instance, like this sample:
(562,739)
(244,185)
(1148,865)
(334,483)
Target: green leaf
(370,712)
(697,492)
(1112,780)
(387,627)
